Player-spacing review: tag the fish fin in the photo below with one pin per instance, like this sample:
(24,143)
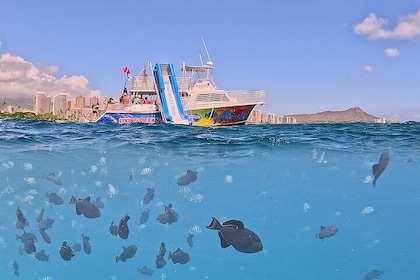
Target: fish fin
(214,224)
(322,227)
(117,259)
(170,255)
(73,200)
(234,223)
(177,251)
(223,241)
(87,199)
(78,212)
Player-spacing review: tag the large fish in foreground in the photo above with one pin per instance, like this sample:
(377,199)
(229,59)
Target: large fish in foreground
(379,167)
(186,179)
(234,233)
(85,207)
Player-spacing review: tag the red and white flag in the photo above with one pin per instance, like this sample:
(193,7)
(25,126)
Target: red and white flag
(126,70)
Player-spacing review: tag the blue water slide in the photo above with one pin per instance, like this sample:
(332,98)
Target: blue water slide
(169,95)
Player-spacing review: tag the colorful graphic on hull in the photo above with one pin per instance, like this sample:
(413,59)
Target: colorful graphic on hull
(222,116)
(122,118)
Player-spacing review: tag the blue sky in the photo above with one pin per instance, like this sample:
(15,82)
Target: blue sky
(310,56)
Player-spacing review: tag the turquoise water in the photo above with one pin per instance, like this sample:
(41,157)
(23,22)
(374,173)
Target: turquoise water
(283,182)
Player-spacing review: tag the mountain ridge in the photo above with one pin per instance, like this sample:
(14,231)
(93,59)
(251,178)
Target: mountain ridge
(355,114)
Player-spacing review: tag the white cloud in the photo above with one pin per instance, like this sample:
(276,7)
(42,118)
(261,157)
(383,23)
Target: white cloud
(21,78)
(374,27)
(368,68)
(392,52)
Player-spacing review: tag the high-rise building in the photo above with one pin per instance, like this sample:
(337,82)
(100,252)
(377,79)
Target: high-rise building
(93,101)
(60,104)
(42,103)
(80,102)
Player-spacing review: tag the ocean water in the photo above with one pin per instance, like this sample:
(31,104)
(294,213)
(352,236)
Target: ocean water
(283,182)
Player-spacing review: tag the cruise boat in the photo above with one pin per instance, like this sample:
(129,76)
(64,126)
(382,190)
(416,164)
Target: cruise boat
(156,95)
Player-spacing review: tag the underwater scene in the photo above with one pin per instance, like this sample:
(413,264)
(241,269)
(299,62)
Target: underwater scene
(306,201)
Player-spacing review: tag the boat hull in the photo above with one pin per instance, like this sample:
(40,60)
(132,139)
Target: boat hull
(223,116)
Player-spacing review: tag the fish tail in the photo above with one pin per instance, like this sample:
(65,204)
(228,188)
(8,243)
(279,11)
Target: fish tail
(117,259)
(214,224)
(170,255)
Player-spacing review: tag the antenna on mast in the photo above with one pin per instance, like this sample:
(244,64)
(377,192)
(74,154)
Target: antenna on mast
(210,63)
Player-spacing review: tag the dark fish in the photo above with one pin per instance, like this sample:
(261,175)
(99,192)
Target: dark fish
(45,236)
(145,270)
(29,246)
(55,179)
(188,178)
(149,195)
(66,252)
(40,215)
(85,207)
(379,167)
(172,215)
(162,249)
(21,218)
(99,203)
(16,268)
(234,233)
(374,274)
(41,256)
(179,256)
(326,232)
(160,261)
(27,236)
(123,230)
(86,245)
(190,239)
(76,247)
(46,224)
(113,229)
(144,216)
(127,253)
(163,218)
(54,198)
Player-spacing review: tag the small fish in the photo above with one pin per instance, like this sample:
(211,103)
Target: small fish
(123,229)
(144,216)
(172,215)
(113,229)
(127,253)
(76,247)
(54,198)
(112,191)
(40,215)
(85,207)
(45,236)
(149,195)
(19,225)
(99,203)
(188,178)
(145,270)
(86,245)
(55,179)
(46,224)
(146,171)
(41,256)
(190,239)
(27,236)
(179,256)
(378,168)
(326,232)
(162,249)
(367,210)
(374,274)
(66,252)
(16,268)
(21,218)
(233,232)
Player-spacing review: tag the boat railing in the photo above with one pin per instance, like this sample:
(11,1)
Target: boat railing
(224,98)
(142,84)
